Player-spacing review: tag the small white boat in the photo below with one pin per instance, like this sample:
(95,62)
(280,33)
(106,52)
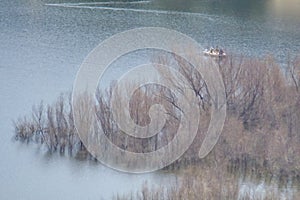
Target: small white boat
(214,52)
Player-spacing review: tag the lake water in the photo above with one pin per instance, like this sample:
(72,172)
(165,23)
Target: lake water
(43,42)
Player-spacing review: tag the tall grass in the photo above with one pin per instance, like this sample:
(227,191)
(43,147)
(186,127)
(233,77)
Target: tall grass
(208,182)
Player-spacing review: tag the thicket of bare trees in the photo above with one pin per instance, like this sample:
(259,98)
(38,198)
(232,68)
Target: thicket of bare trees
(51,125)
(264,118)
(261,130)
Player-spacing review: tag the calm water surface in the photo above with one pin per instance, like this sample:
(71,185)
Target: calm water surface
(43,42)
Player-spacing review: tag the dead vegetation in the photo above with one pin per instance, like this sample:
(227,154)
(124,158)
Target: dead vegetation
(261,131)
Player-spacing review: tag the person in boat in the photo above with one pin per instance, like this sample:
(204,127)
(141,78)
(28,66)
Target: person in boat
(221,52)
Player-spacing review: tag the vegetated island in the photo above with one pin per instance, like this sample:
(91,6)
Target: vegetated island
(260,135)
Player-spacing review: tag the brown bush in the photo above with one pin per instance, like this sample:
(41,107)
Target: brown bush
(261,130)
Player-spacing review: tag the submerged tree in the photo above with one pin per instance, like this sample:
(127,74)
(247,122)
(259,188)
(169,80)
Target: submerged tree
(262,127)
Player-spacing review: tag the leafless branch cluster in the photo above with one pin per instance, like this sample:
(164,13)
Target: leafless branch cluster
(262,126)
(51,125)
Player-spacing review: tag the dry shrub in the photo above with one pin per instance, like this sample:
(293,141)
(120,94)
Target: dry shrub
(51,126)
(261,130)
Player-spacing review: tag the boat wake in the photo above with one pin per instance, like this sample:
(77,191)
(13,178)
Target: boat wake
(93,5)
(101,3)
